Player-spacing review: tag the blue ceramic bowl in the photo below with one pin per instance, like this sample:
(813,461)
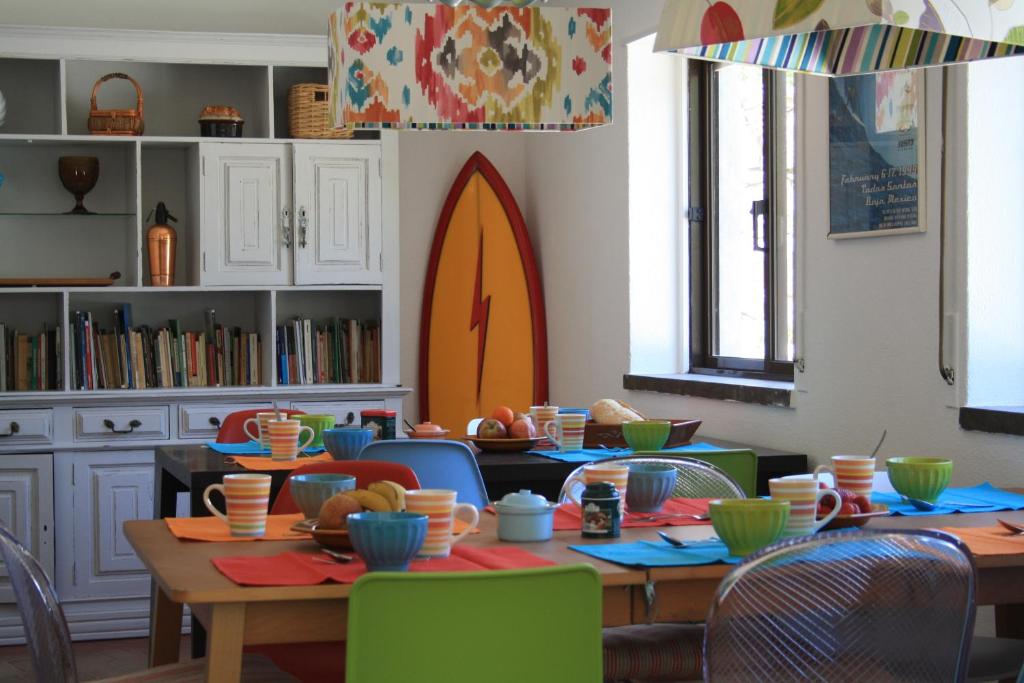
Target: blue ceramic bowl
(345,443)
(309,491)
(649,486)
(387,541)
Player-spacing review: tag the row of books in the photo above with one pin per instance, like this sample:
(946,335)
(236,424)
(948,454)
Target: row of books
(32,362)
(128,357)
(335,351)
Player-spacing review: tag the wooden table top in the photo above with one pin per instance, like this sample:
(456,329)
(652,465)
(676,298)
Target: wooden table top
(184,571)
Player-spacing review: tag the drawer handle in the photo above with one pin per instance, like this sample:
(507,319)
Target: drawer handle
(215,421)
(132,426)
(350,418)
(12,429)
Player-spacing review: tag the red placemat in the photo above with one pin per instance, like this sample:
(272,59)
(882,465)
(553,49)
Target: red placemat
(567,516)
(310,569)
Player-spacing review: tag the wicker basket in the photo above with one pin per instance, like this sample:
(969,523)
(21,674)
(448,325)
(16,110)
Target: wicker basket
(116,121)
(307,113)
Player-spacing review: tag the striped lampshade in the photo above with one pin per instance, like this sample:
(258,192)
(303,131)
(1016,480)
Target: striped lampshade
(843,37)
(433,66)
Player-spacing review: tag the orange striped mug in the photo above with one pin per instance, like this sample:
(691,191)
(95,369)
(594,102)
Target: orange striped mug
(803,494)
(262,434)
(618,475)
(853,472)
(440,507)
(248,497)
(284,438)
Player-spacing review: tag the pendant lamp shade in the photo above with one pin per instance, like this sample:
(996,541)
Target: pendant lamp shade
(434,66)
(843,37)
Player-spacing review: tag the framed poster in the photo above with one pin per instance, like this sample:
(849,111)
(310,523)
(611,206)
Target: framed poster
(876,154)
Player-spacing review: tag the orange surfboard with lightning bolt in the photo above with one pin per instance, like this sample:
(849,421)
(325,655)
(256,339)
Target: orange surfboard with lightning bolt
(483,334)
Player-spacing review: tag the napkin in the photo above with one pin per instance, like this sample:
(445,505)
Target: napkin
(263,464)
(216,530)
(660,554)
(989,540)
(567,515)
(992,498)
(309,569)
(591,454)
(250,448)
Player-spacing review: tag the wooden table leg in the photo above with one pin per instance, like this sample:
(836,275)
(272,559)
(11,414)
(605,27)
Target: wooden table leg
(164,628)
(224,643)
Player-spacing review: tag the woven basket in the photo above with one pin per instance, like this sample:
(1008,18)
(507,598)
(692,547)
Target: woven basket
(116,121)
(307,113)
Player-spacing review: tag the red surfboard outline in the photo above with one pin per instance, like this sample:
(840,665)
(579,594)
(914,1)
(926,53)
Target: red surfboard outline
(480,163)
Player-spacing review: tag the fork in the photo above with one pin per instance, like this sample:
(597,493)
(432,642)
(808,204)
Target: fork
(669,515)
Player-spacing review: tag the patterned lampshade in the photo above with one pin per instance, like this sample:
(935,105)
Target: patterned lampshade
(432,66)
(843,37)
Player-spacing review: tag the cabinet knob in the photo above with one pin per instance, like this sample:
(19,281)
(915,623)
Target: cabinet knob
(12,429)
(350,418)
(303,226)
(215,421)
(132,426)
(286,227)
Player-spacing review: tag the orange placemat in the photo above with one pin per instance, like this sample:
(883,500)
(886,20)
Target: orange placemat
(263,464)
(989,540)
(310,569)
(216,530)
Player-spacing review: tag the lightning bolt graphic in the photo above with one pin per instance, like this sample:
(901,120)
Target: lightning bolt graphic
(480,316)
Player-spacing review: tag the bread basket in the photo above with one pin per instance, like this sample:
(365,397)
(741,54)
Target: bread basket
(307,113)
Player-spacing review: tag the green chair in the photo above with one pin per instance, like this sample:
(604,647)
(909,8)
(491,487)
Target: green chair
(741,465)
(495,626)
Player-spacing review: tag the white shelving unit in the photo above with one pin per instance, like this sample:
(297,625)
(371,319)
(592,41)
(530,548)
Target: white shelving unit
(66,481)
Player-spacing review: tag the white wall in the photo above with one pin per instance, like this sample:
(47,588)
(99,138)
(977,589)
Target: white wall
(871,307)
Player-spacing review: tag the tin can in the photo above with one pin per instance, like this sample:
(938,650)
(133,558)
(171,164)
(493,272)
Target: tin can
(601,510)
(382,422)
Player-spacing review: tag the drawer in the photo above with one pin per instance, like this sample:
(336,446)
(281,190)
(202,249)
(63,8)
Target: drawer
(139,423)
(345,412)
(203,421)
(26,426)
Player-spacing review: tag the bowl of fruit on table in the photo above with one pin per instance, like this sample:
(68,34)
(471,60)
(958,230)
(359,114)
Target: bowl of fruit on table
(505,431)
(855,510)
(331,527)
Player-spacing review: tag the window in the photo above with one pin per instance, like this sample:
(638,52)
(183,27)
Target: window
(741,240)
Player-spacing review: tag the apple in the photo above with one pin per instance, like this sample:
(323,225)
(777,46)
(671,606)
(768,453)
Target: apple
(863,503)
(491,429)
(522,428)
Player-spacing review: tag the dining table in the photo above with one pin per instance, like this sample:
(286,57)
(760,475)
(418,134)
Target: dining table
(235,616)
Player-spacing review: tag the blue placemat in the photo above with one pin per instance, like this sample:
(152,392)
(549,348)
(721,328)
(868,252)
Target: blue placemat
(592,454)
(952,500)
(660,554)
(249,448)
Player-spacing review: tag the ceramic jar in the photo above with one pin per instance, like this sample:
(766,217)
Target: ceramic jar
(525,517)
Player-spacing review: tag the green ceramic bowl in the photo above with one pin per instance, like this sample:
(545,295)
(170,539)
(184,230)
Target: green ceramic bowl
(746,525)
(920,478)
(646,435)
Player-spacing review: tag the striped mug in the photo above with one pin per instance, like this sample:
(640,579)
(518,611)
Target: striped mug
(262,434)
(248,497)
(853,472)
(440,508)
(284,438)
(803,494)
(566,431)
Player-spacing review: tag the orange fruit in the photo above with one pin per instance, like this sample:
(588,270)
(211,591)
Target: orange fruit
(504,415)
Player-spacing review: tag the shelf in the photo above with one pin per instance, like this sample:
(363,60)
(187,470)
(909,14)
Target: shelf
(31,214)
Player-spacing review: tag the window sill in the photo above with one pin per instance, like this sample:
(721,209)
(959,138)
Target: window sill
(998,420)
(742,390)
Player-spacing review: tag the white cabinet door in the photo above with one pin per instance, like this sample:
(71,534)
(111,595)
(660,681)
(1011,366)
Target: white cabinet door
(245,209)
(26,509)
(337,214)
(96,493)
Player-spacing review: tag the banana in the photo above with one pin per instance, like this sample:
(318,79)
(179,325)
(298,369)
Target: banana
(394,493)
(370,500)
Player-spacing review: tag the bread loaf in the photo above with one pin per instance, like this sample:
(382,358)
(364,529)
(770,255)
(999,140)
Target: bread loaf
(609,411)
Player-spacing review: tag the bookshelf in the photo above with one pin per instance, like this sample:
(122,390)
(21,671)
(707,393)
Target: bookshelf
(71,480)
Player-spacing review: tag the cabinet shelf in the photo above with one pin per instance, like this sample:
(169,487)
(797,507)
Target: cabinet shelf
(50,214)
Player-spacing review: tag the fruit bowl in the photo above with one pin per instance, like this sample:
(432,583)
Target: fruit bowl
(858,520)
(335,539)
(503,445)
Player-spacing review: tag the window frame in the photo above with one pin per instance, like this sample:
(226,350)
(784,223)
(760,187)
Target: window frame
(701,217)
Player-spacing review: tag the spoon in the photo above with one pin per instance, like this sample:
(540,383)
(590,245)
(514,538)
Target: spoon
(675,542)
(340,557)
(885,433)
(670,515)
(1015,528)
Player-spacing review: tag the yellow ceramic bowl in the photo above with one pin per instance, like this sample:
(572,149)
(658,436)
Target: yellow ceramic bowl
(921,478)
(746,525)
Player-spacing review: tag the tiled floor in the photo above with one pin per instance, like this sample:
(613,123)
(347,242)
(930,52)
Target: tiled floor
(95,659)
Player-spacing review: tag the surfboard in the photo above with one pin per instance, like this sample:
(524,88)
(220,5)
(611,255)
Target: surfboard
(483,332)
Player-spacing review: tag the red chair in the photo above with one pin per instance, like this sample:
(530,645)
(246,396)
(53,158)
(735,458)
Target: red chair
(232,430)
(316,662)
(365,471)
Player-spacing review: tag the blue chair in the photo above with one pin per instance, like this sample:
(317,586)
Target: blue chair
(438,464)
(864,605)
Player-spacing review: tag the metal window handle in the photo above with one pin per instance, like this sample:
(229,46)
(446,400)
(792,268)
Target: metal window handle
(215,421)
(757,210)
(286,227)
(132,426)
(12,429)
(303,226)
